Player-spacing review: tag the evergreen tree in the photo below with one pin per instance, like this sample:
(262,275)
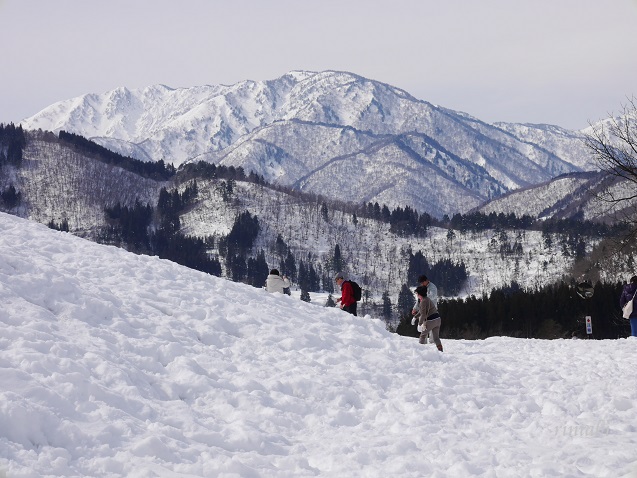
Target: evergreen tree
(228,190)
(169,207)
(406,300)
(280,247)
(448,276)
(328,283)
(385,214)
(12,143)
(314,282)
(149,169)
(324,211)
(10,197)
(244,232)
(303,277)
(63,226)
(236,264)
(418,265)
(257,270)
(289,266)
(130,225)
(546,312)
(338,263)
(386,305)
(451,235)
(188,251)
(377,213)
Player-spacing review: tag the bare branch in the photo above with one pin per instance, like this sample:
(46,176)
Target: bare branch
(613,144)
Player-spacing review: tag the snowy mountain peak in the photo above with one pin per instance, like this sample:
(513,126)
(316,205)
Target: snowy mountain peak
(254,124)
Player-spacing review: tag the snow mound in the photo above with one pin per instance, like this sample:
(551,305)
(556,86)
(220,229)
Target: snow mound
(114,364)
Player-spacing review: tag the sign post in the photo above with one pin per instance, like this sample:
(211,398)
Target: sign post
(585,290)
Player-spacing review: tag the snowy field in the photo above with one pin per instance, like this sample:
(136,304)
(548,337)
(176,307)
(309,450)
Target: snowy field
(114,364)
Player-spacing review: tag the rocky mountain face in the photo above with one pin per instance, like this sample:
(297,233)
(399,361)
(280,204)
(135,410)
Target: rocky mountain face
(331,133)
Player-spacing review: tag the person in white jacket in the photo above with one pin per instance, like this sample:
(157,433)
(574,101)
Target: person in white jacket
(276,282)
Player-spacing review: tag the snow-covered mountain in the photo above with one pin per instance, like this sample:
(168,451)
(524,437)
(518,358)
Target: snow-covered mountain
(587,196)
(561,197)
(58,183)
(120,365)
(331,133)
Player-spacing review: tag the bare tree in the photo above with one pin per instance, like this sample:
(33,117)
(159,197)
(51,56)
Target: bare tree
(613,143)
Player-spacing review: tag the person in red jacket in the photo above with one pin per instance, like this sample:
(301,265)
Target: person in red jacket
(347,300)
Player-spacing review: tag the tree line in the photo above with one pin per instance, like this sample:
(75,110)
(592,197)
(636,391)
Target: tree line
(158,170)
(477,222)
(12,142)
(205,170)
(448,276)
(553,311)
(156,231)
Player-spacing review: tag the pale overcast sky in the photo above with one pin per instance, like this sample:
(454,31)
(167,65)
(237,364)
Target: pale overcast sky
(563,62)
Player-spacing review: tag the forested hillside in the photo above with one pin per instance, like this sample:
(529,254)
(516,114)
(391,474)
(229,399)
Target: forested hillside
(232,224)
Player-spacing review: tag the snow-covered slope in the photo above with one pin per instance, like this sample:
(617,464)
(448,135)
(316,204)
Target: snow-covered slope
(374,255)
(293,130)
(533,201)
(589,196)
(561,142)
(114,364)
(59,183)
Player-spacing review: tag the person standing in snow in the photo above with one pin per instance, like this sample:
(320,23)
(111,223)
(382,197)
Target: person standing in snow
(428,318)
(276,282)
(346,300)
(431,292)
(628,294)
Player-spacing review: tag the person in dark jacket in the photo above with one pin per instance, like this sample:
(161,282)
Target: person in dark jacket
(346,300)
(628,294)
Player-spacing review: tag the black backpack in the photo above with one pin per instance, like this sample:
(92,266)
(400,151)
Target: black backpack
(358,292)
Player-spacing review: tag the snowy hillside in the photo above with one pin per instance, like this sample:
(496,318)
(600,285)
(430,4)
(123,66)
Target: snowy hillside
(115,364)
(373,255)
(535,201)
(589,196)
(559,141)
(317,131)
(59,183)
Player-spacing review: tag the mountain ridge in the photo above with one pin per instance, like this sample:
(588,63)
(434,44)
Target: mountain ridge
(257,125)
